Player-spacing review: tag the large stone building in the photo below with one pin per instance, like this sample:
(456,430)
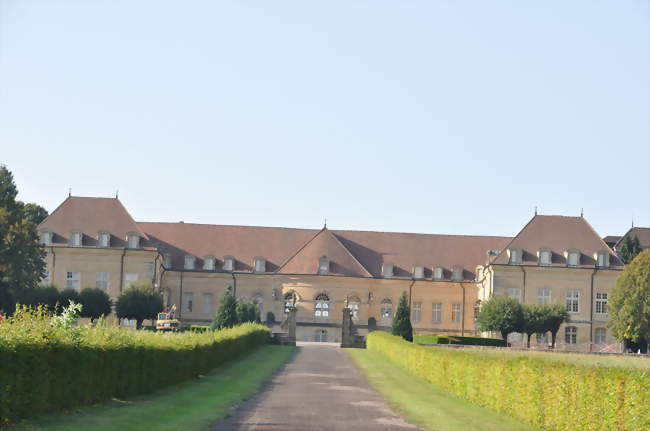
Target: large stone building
(95,242)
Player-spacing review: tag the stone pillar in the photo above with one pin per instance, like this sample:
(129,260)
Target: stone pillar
(291,321)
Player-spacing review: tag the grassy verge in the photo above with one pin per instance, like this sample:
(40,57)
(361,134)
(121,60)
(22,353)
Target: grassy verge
(423,404)
(192,405)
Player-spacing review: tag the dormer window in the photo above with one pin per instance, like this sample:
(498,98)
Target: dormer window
(418,272)
(457,274)
(438,273)
(323,266)
(544,257)
(46,238)
(75,239)
(514,256)
(208,263)
(387,270)
(104,240)
(260,265)
(572,257)
(189,261)
(167,260)
(133,240)
(602,259)
(228,263)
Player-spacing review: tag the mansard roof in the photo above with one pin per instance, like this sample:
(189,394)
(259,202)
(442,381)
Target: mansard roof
(558,234)
(90,216)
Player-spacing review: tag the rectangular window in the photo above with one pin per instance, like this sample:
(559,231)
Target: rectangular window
(188,299)
(167,260)
(602,260)
(574,259)
(455,313)
(260,265)
(46,238)
(75,240)
(189,262)
(228,264)
(101,280)
(437,273)
(545,258)
(542,338)
(207,303)
(130,279)
(600,336)
(601,303)
(572,299)
(418,272)
(457,274)
(514,292)
(544,296)
(104,240)
(73,281)
(133,241)
(436,312)
(515,257)
(571,335)
(387,270)
(208,264)
(417,309)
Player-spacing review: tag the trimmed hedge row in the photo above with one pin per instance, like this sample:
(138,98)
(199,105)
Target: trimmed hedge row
(552,395)
(44,370)
(453,339)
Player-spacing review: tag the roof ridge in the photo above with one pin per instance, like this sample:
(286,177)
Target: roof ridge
(299,250)
(144,235)
(350,253)
(226,225)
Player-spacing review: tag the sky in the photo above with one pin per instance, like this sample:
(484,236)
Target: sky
(455,117)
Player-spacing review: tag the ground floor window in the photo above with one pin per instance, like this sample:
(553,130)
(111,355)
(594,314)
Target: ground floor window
(386,309)
(320,336)
(600,336)
(455,313)
(571,335)
(417,310)
(542,338)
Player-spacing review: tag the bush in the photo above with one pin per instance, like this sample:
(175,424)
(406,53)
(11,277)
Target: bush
(552,395)
(139,302)
(68,295)
(270,318)
(48,367)
(453,339)
(199,328)
(95,302)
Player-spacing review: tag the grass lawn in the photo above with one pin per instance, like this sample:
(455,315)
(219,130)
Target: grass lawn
(424,405)
(191,405)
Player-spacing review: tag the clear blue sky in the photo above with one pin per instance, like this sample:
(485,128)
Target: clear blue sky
(419,116)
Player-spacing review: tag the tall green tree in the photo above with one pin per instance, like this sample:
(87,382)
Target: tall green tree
(33,212)
(501,314)
(554,315)
(630,249)
(22,259)
(95,302)
(402,321)
(629,305)
(139,302)
(226,316)
(534,320)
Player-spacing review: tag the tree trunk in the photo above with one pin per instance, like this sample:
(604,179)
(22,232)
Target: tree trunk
(504,335)
(528,340)
(138,323)
(553,335)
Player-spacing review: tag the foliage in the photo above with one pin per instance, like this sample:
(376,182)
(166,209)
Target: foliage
(453,339)
(48,366)
(556,396)
(200,328)
(67,296)
(226,316)
(96,303)
(501,314)
(22,261)
(139,302)
(68,317)
(402,321)
(270,317)
(629,306)
(534,321)
(630,249)
(33,212)
(553,315)
(247,311)
(47,295)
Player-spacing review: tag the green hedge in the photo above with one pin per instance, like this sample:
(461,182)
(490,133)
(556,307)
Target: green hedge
(46,369)
(199,328)
(551,395)
(453,339)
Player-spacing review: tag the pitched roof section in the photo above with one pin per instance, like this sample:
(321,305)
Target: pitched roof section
(324,244)
(643,233)
(91,216)
(558,234)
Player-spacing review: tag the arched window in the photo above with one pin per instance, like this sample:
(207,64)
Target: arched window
(289,299)
(322,307)
(353,304)
(320,336)
(386,310)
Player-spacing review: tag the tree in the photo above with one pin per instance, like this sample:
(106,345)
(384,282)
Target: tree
(402,321)
(33,212)
(501,314)
(95,302)
(246,311)
(227,314)
(554,315)
(67,296)
(629,305)
(45,295)
(22,258)
(630,249)
(139,302)
(533,321)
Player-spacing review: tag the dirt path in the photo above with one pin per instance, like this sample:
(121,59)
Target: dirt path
(319,389)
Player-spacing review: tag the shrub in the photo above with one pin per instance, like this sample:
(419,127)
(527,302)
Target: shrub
(453,339)
(199,328)
(95,302)
(139,302)
(49,367)
(226,316)
(402,321)
(68,295)
(556,396)
(270,317)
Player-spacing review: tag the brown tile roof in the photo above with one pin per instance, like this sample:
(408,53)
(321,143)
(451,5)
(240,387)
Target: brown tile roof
(90,216)
(611,240)
(324,244)
(558,234)
(643,233)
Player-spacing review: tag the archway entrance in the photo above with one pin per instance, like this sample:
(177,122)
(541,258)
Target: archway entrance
(321,336)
